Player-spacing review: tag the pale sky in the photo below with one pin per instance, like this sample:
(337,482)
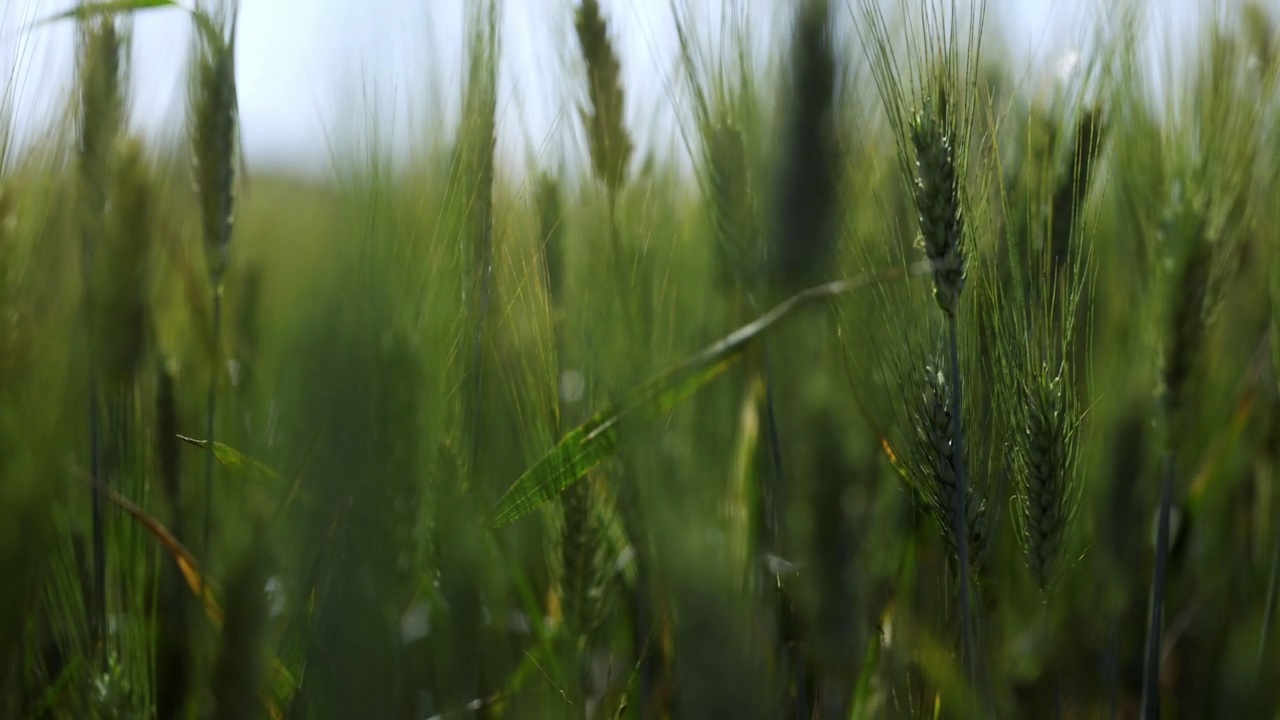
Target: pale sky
(310,70)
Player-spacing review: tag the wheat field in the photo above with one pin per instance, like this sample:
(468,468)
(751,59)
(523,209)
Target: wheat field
(929,392)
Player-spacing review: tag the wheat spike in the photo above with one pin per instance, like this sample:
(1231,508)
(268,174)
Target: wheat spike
(607,136)
(121,271)
(1044,459)
(937,196)
(583,570)
(807,226)
(1073,184)
(214,115)
(730,183)
(100,113)
(934,461)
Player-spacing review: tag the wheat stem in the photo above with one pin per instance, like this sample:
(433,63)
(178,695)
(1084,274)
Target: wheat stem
(98,621)
(1269,608)
(1155,625)
(960,496)
(211,418)
(99,118)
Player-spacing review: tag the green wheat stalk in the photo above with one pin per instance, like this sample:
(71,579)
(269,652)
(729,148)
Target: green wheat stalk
(213,116)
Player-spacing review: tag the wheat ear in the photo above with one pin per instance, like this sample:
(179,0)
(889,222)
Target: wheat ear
(933,460)
(729,180)
(608,141)
(807,225)
(607,137)
(1045,451)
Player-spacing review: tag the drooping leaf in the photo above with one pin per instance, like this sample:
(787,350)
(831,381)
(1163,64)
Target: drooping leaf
(595,440)
(234,461)
(187,564)
(90,10)
(283,682)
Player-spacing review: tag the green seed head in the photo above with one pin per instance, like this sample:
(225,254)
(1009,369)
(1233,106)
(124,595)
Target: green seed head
(121,272)
(933,463)
(937,198)
(1047,494)
(214,113)
(607,136)
(101,108)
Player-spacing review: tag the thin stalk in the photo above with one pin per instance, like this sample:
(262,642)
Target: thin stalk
(1057,693)
(624,279)
(99,521)
(1269,609)
(643,616)
(793,658)
(1112,665)
(211,417)
(772,499)
(1057,674)
(477,341)
(480,213)
(98,611)
(1151,664)
(958,502)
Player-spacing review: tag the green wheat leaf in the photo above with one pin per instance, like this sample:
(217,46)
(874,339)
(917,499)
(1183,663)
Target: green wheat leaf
(582,449)
(87,11)
(234,461)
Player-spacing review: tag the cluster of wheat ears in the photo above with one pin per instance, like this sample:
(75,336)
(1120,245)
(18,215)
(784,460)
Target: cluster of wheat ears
(994,435)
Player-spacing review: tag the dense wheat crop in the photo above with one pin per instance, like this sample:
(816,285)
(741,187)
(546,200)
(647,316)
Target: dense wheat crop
(929,391)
